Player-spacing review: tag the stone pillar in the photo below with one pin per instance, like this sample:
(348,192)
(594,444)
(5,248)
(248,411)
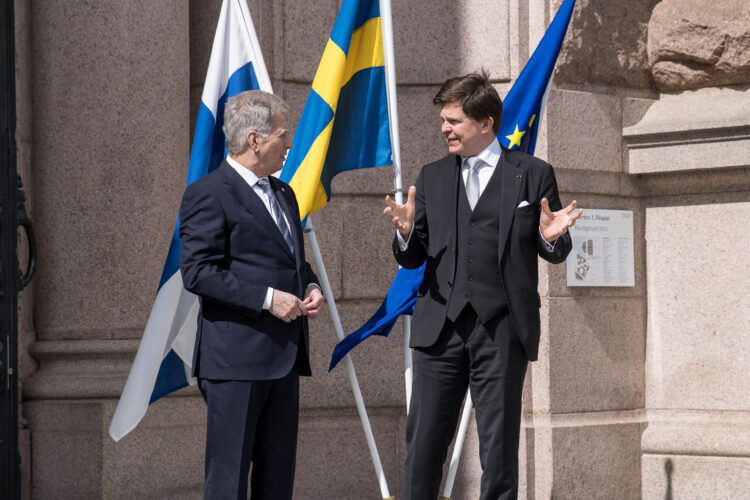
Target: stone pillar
(690,150)
(584,397)
(110,142)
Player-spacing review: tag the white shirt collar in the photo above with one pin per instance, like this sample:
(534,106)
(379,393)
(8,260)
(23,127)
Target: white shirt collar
(245,173)
(491,154)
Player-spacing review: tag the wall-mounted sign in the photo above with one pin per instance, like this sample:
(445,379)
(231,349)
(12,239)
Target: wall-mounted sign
(602,252)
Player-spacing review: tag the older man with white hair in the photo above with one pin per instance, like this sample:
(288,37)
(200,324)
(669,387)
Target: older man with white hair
(243,255)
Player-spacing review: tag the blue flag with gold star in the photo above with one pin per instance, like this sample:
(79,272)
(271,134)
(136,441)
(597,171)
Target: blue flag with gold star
(522,106)
(518,130)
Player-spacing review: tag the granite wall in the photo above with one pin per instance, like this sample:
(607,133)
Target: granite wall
(638,391)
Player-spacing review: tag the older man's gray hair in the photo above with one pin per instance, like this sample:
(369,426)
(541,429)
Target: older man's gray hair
(250,110)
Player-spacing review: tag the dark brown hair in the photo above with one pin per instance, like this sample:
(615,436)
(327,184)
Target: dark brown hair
(478,98)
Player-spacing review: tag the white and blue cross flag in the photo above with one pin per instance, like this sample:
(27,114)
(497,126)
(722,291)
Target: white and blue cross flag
(162,364)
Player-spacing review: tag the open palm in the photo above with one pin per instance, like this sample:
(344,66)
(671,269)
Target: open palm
(555,224)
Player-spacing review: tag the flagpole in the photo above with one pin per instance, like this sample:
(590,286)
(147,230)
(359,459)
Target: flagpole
(261,72)
(310,232)
(457,448)
(327,292)
(386,23)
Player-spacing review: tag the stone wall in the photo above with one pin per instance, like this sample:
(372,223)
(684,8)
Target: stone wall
(638,391)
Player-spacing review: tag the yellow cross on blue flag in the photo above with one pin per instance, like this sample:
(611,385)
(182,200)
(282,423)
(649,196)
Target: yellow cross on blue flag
(344,125)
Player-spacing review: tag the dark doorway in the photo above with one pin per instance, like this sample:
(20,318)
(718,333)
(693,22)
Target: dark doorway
(12,280)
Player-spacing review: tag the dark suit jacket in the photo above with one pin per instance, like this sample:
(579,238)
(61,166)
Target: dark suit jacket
(524,178)
(232,251)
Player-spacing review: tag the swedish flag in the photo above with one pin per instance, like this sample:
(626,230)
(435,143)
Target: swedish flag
(344,125)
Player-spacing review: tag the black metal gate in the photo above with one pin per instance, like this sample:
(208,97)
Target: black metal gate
(12,215)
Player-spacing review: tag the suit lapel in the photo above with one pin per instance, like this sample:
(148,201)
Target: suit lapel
(246,197)
(294,224)
(512,179)
(453,165)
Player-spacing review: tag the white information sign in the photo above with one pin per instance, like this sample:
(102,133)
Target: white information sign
(602,252)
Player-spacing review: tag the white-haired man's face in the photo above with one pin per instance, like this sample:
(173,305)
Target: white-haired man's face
(272,149)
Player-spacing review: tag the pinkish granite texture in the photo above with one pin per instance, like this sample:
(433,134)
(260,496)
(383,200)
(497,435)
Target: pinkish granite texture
(606,44)
(110,157)
(108,152)
(690,45)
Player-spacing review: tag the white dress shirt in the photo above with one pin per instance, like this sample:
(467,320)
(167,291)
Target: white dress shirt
(488,158)
(252,181)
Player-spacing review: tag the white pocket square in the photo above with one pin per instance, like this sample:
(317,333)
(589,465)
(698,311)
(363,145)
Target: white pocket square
(524,203)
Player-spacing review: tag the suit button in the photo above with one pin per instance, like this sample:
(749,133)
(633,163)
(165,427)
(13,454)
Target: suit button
(466,295)
(473,224)
(450,284)
(471,261)
(471,242)
(471,279)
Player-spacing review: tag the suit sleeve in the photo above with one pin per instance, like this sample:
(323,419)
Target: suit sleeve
(203,229)
(416,251)
(563,244)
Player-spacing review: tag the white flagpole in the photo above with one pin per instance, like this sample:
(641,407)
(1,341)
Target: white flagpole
(456,457)
(310,232)
(262,74)
(386,24)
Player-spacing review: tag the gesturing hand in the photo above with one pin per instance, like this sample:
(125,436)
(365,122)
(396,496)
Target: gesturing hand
(313,301)
(286,307)
(555,224)
(402,216)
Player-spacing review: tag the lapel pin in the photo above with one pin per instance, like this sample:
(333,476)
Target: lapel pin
(518,176)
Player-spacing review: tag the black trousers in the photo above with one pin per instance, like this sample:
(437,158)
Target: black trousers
(490,360)
(251,421)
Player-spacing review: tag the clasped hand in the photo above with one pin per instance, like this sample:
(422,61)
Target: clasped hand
(287,307)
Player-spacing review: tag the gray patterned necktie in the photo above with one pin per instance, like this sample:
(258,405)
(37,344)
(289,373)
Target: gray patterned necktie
(472,181)
(276,212)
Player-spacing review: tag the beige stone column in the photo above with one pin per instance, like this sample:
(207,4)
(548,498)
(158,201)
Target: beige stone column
(584,397)
(691,151)
(109,130)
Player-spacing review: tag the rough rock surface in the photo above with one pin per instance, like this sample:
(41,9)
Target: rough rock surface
(691,44)
(606,44)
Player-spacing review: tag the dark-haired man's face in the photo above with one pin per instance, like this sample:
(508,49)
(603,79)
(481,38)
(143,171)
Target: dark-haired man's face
(465,135)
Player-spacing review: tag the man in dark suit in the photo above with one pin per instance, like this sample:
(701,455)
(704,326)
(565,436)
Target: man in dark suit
(243,255)
(479,217)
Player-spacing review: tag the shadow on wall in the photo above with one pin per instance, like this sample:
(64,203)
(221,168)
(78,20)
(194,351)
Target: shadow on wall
(668,468)
(607,45)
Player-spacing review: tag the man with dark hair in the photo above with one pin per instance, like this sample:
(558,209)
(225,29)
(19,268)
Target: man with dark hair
(243,255)
(479,217)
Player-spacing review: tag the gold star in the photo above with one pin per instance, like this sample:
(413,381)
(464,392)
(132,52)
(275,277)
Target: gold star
(515,138)
(532,120)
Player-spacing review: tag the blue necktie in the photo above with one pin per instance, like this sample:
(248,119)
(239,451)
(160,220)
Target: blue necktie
(276,212)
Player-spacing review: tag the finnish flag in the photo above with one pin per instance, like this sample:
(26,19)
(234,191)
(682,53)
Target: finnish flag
(163,362)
